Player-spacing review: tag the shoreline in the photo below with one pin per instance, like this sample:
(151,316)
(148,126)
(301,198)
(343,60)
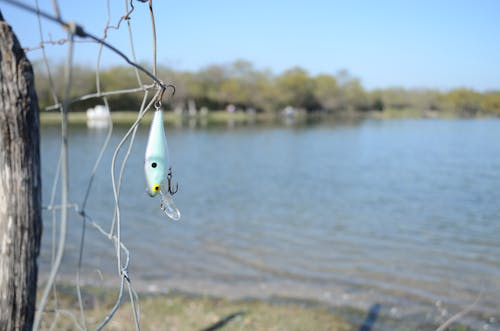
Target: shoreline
(181,310)
(223,117)
(280,311)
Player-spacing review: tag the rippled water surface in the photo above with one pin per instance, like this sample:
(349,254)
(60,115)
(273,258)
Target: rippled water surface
(401,213)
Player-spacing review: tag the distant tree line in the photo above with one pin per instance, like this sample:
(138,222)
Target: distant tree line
(242,85)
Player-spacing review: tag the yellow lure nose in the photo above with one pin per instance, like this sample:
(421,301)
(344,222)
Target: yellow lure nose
(155,188)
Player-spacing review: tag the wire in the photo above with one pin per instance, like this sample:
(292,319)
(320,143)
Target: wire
(78,30)
(60,224)
(64,186)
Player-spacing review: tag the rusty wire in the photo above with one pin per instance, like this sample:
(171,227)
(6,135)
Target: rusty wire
(59,212)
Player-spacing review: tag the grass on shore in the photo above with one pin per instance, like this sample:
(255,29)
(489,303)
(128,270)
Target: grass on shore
(223,117)
(128,117)
(178,311)
(181,311)
(412,113)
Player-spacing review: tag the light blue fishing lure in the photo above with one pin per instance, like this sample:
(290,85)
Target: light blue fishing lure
(156,164)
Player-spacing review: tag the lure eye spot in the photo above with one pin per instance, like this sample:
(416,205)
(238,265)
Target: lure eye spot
(156,188)
(153,164)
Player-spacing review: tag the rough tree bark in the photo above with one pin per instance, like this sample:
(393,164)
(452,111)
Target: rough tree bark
(20,185)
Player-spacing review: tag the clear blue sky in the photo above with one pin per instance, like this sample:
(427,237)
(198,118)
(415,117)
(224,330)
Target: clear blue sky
(435,44)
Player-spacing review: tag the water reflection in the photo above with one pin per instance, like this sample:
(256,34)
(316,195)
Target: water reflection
(238,120)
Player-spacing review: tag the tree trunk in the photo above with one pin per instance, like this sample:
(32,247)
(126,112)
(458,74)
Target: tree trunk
(20,185)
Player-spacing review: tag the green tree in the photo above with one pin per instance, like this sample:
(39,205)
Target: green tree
(120,78)
(240,83)
(357,98)
(296,89)
(327,92)
(463,101)
(396,98)
(264,94)
(490,102)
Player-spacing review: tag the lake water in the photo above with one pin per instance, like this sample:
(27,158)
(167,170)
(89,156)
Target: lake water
(400,213)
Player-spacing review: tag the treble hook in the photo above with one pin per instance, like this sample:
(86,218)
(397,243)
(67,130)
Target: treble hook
(163,87)
(169,183)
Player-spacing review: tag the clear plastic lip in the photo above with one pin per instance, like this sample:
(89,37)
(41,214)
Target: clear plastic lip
(168,205)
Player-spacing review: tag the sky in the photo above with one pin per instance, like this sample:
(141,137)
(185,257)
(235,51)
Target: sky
(412,44)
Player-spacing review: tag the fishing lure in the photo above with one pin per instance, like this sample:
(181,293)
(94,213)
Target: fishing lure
(156,163)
